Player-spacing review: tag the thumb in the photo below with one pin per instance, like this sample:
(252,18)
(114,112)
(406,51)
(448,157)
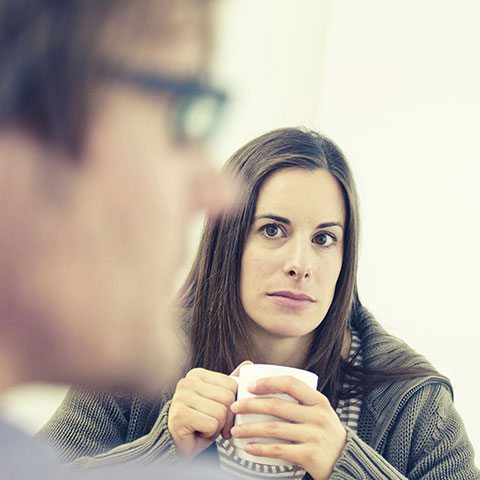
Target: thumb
(230,415)
(236,372)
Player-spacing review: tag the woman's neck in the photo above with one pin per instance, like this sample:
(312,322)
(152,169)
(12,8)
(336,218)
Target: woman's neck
(290,352)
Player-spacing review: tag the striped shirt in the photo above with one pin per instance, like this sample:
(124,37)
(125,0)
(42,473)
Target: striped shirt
(348,411)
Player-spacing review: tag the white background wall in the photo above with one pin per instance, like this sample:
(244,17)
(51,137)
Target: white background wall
(401,95)
(396,85)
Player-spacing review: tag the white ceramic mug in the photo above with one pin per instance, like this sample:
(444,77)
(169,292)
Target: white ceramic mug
(249,374)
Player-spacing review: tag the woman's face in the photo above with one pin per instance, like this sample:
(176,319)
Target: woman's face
(293,253)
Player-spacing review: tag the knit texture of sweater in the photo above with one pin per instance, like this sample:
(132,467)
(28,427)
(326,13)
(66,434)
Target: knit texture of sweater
(407,429)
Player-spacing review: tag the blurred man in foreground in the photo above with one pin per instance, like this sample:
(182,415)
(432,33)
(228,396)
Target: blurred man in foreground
(100,169)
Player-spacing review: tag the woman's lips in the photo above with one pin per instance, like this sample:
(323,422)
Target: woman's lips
(285,298)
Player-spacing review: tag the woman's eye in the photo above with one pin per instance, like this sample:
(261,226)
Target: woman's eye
(324,239)
(271,231)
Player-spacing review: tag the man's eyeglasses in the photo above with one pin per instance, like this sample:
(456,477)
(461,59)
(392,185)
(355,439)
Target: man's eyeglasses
(196,106)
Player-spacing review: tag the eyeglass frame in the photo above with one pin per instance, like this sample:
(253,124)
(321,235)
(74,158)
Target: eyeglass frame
(182,89)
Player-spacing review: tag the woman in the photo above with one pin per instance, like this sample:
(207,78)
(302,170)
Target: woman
(275,282)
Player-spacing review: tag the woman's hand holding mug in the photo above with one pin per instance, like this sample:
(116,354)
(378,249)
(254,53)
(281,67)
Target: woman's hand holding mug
(200,410)
(312,429)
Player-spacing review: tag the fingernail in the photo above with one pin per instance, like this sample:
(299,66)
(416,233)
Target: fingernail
(251,386)
(234,407)
(235,430)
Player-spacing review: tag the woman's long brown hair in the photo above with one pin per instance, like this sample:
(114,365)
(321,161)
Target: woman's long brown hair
(210,298)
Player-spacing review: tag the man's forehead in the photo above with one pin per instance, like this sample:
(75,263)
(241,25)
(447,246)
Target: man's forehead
(167,36)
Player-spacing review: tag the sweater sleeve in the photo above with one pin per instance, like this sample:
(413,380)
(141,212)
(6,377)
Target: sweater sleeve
(426,440)
(155,448)
(86,423)
(96,429)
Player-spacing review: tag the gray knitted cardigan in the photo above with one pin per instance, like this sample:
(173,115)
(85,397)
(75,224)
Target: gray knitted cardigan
(407,429)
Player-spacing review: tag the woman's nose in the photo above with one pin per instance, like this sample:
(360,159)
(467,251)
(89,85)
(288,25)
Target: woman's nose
(299,265)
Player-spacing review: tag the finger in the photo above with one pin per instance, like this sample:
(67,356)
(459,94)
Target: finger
(230,415)
(286,451)
(294,387)
(192,387)
(293,432)
(196,421)
(276,407)
(236,372)
(229,422)
(203,405)
(213,378)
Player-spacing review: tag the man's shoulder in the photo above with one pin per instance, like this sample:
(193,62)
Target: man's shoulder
(24,457)
(158,472)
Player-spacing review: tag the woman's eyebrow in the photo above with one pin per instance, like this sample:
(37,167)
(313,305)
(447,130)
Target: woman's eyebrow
(273,217)
(330,224)
(286,221)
